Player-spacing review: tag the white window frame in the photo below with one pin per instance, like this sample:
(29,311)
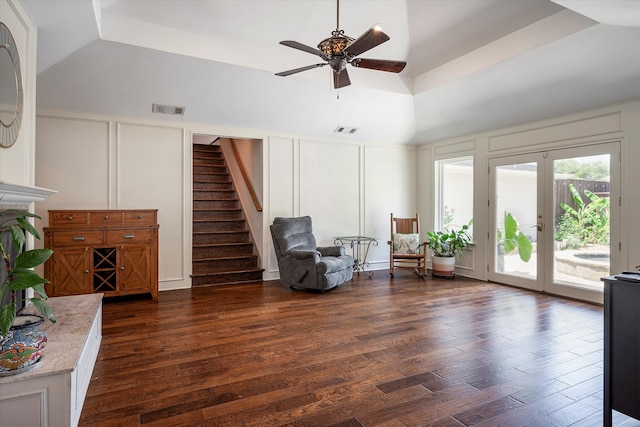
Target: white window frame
(439,212)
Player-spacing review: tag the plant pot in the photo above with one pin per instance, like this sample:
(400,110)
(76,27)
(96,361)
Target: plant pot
(443,266)
(22,348)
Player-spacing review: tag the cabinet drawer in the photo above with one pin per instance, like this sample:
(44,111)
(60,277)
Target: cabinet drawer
(77,238)
(68,218)
(128,236)
(140,217)
(104,218)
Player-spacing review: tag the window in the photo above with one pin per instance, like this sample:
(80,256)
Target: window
(454,193)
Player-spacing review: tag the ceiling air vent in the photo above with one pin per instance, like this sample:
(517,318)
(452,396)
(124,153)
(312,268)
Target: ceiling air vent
(344,129)
(167,109)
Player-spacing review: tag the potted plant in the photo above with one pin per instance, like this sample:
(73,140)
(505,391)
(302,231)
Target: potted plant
(21,340)
(445,245)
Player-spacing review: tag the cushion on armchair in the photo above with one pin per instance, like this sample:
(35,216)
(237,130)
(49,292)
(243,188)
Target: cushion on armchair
(406,244)
(332,264)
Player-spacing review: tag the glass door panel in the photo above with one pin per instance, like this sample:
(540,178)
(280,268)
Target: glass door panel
(584,184)
(516,218)
(582,216)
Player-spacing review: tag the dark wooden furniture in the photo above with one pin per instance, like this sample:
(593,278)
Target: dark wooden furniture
(114,252)
(621,348)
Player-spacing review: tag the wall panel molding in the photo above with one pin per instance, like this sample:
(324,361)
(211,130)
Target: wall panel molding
(150,165)
(546,135)
(452,148)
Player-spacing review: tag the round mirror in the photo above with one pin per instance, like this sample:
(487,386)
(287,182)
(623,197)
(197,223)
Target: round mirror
(11,94)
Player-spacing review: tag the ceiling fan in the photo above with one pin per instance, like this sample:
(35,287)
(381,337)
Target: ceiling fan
(340,50)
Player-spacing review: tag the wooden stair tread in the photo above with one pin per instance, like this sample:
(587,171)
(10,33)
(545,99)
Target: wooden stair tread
(228,272)
(207,245)
(216,209)
(220,231)
(211,173)
(217,190)
(220,220)
(247,256)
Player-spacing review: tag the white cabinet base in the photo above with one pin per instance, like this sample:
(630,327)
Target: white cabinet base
(52,394)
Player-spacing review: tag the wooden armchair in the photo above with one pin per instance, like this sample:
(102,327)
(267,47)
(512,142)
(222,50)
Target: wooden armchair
(405,249)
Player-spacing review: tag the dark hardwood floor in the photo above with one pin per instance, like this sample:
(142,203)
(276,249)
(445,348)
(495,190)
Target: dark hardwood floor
(379,352)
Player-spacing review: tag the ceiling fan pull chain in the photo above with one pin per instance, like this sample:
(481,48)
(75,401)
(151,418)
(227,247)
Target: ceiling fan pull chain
(337,15)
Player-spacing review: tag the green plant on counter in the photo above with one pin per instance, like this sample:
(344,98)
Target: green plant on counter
(19,268)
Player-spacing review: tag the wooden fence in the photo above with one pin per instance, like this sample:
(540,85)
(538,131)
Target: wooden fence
(563,194)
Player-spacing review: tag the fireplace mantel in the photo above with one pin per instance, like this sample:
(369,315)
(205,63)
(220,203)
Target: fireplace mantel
(21,195)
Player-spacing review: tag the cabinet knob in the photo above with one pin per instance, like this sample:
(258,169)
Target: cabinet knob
(86,271)
(139,216)
(121,268)
(106,217)
(70,217)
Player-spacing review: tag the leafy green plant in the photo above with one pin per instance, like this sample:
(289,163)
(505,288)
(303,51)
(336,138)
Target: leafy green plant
(513,238)
(19,268)
(588,223)
(448,243)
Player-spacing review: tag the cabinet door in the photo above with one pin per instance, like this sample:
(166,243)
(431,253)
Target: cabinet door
(135,268)
(71,271)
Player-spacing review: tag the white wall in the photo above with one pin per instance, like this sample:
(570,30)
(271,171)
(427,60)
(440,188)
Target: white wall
(106,163)
(614,123)
(250,154)
(347,188)
(100,162)
(17,162)
(390,186)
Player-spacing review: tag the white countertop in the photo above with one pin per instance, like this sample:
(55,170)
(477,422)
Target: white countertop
(66,337)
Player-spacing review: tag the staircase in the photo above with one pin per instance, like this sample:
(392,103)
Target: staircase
(222,250)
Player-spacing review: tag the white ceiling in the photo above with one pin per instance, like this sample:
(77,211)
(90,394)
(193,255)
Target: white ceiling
(473,65)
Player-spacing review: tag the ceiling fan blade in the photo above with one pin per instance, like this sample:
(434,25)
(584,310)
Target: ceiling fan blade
(297,70)
(379,64)
(341,79)
(303,47)
(370,39)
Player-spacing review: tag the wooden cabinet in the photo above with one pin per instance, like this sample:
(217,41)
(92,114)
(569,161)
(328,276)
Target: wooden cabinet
(114,252)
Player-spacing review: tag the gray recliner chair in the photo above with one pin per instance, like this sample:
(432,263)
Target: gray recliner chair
(301,263)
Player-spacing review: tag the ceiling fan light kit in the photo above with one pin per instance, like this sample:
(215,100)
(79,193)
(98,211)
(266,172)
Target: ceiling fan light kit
(339,50)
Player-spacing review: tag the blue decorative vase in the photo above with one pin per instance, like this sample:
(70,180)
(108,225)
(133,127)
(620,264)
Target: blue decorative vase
(22,348)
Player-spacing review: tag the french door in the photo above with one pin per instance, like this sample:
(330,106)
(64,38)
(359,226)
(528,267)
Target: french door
(554,220)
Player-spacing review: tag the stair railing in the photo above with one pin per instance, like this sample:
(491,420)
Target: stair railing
(245,176)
